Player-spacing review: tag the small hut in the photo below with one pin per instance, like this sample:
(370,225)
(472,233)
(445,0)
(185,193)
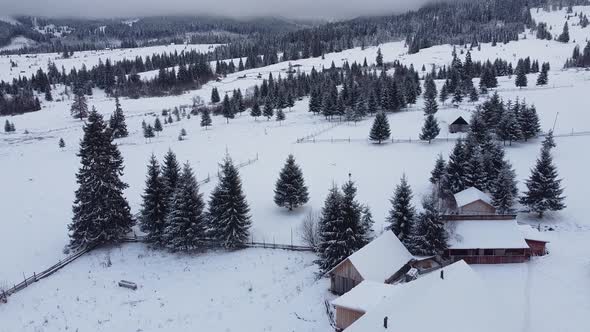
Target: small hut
(459,126)
(473,201)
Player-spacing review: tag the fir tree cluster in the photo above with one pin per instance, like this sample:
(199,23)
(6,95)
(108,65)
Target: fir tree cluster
(579,59)
(9,127)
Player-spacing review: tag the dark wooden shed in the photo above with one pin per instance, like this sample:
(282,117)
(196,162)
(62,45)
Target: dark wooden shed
(459,126)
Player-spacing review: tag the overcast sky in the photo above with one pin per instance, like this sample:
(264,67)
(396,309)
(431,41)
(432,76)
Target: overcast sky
(330,9)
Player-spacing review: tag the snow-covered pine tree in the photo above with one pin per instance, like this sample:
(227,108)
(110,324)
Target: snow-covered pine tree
(379,58)
(62,143)
(334,238)
(380,129)
(153,207)
(101,212)
(227,109)
(564,37)
(158,125)
(429,235)
(474,172)
(215,96)
(268,111)
(521,79)
(148,132)
(430,106)
(549,142)
(438,171)
(544,191)
(430,130)
(351,212)
(290,190)
(255,111)
(117,121)
(280,115)
(457,96)
(205,118)
(79,109)
(402,214)
(170,174)
(529,122)
(185,224)
(509,126)
(455,170)
(543,77)
(367,224)
(7,126)
(229,219)
(504,191)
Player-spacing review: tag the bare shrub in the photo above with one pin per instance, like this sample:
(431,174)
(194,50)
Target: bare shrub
(309,231)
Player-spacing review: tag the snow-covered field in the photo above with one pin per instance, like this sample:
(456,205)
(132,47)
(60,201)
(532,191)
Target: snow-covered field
(257,289)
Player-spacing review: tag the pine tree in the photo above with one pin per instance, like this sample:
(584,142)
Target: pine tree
(268,110)
(430,106)
(158,125)
(79,109)
(62,143)
(290,101)
(380,130)
(215,96)
(367,224)
(429,235)
(227,109)
(379,58)
(564,37)
(351,212)
(543,77)
(170,174)
(549,142)
(117,121)
(529,123)
(148,132)
(438,171)
(185,223)
(48,96)
(521,79)
(474,171)
(504,191)
(229,219)
(444,93)
(255,111)
(457,96)
(402,214)
(153,208)
(205,118)
(333,246)
(7,126)
(280,115)
(509,127)
(455,170)
(430,130)
(101,212)
(290,190)
(544,191)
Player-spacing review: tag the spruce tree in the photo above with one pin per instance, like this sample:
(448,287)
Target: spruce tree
(185,222)
(290,190)
(549,142)
(153,208)
(158,125)
(529,123)
(402,214)
(380,129)
(117,121)
(7,126)
(229,219)
(430,106)
(62,143)
(255,111)
(215,96)
(504,191)
(564,37)
(101,212)
(544,191)
(509,127)
(455,170)
(430,130)
(280,115)
(227,109)
(521,79)
(148,132)
(438,171)
(79,109)
(268,110)
(429,236)
(170,174)
(205,118)
(457,96)
(543,77)
(351,212)
(379,58)
(367,224)
(474,171)
(333,246)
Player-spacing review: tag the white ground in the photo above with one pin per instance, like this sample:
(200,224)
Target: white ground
(38,184)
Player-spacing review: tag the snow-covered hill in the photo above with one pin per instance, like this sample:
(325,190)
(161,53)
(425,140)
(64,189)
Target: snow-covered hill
(257,289)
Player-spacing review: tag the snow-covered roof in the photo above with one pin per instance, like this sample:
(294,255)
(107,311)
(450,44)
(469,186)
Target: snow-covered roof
(381,258)
(471,195)
(460,303)
(364,296)
(460,121)
(531,233)
(485,234)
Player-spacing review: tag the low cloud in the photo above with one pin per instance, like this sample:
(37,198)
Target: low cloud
(328,9)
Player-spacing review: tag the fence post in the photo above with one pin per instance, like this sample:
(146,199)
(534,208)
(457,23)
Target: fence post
(24,277)
(35,276)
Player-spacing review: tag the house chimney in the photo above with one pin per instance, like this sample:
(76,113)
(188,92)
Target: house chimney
(385,322)
(442,274)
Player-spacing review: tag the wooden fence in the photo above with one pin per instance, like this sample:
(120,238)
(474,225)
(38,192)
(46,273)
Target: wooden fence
(238,166)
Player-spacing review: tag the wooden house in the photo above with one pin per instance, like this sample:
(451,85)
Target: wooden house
(354,304)
(459,126)
(535,239)
(453,299)
(473,201)
(486,242)
(384,260)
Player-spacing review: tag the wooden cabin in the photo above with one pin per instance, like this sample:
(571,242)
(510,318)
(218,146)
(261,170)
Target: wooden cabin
(354,304)
(473,201)
(486,242)
(383,260)
(535,239)
(459,126)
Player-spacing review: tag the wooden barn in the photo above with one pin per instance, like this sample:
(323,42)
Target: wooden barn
(383,260)
(535,239)
(452,299)
(486,242)
(459,126)
(473,201)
